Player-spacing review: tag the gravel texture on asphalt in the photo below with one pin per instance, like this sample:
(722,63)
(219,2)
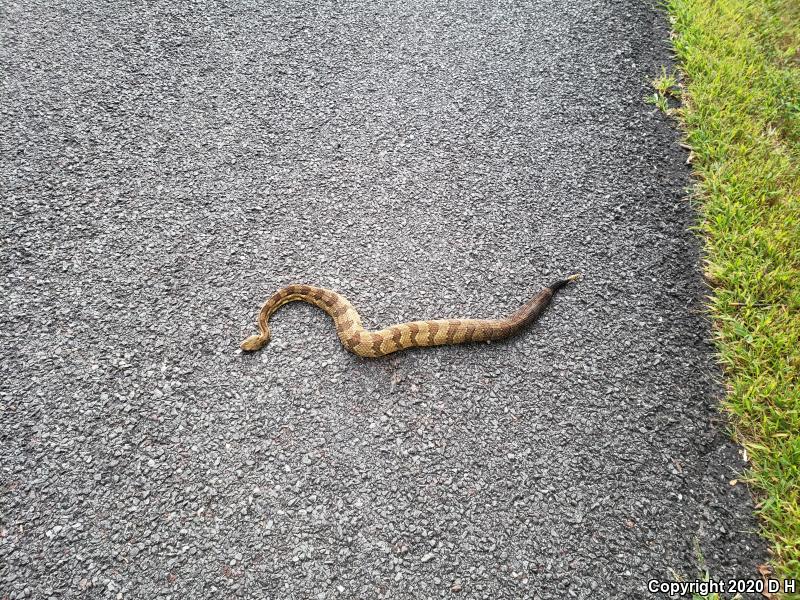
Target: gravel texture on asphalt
(167,166)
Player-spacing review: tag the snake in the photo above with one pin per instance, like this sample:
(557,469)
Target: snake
(415,334)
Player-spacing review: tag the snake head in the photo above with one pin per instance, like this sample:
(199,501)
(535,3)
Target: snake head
(255,342)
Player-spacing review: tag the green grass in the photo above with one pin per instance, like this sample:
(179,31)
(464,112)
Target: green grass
(739,82)
(666,86)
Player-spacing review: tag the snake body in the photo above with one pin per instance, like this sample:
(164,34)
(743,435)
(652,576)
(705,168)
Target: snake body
(415,334)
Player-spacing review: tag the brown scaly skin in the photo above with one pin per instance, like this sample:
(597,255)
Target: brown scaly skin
(416,334)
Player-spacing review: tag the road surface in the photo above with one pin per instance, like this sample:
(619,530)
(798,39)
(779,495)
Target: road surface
(167,166)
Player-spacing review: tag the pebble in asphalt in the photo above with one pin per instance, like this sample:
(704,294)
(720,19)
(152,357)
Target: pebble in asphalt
(166,166)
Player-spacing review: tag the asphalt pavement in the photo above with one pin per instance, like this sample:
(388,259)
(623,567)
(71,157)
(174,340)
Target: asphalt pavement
(165,166)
